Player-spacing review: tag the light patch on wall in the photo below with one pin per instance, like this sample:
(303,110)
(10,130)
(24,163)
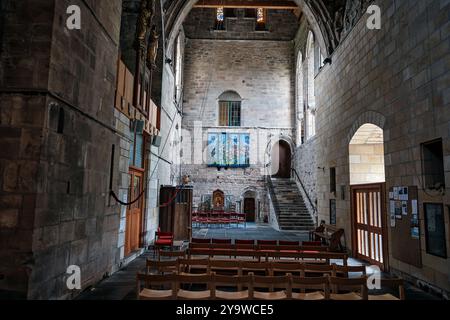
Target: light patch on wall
(366,156)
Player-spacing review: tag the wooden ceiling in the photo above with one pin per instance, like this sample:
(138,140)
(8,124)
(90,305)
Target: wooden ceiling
(248,4)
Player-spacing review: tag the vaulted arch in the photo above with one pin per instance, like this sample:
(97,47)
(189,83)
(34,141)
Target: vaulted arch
(315,12)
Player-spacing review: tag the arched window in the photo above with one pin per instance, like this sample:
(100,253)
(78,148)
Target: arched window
(300,100)
(230,109)
(178,69)
(220,18)
(311,97)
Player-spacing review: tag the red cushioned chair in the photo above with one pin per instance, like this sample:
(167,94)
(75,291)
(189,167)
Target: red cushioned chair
(162,239)
(311,243)
(198,240)
(237,241)
(222,241)
(269,242)
(288,243)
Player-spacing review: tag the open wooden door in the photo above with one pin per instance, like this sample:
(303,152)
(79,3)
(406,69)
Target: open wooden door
(369,230)
(134,212)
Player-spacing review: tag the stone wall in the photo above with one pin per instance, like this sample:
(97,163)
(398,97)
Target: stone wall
(396,78)
(22,117)
(59,109)
(261,73)
(200,24)
(366,163)
(305,163)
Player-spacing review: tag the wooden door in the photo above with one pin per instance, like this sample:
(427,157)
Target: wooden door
(282,155)
(134,213)
(249,209)
(369,224)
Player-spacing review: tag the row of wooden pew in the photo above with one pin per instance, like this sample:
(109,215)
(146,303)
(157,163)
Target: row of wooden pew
(242,267)
(250,241)
(311,254)
(213,286)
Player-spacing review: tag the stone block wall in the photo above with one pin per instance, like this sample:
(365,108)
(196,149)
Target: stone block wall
(396,78)
(200,24)
(305,163)
(261,72)
(57,109)
(366,163)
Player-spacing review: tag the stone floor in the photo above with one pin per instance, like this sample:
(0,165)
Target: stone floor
(122,284)
(251,232)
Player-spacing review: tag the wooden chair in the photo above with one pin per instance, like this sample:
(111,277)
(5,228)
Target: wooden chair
(344,271)
(162,267)
(288,243)
(162,239)
(149,292)
(237,241)
(284,268)
(185,282)
(247,267)
(319,284)
(236,284)
(223,241)
(355,288)
(267,242)
(282,283)
(198,240)
(394,284)
(190,265)
(317,270)
(312,243)
(224,267)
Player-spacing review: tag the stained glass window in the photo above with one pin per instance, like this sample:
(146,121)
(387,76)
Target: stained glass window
(260,16)
(229,150)
(220,14)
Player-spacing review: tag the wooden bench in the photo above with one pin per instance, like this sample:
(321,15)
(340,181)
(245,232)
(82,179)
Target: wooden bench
(178,286)
(331,235)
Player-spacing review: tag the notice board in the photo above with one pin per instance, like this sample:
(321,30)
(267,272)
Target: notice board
(404,224)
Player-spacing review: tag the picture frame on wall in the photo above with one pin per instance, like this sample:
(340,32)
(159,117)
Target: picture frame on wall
(435,229)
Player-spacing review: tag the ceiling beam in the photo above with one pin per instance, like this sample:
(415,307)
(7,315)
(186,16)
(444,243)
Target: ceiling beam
(248,4)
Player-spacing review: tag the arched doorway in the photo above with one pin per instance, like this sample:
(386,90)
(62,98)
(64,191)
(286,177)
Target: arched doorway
(367,181)
(281,160)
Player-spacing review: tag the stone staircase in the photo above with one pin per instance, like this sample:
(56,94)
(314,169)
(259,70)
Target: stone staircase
(289,205)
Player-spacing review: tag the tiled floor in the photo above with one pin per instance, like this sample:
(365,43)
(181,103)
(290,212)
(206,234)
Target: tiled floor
(122,284)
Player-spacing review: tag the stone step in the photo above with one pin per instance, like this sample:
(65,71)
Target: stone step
(292,213)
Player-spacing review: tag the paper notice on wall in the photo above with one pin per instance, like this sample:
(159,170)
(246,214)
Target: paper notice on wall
(403,194)
(392,212)
(392,220)
(415,233)
(405,208)
(398,209)
(395,193)
(414,208)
